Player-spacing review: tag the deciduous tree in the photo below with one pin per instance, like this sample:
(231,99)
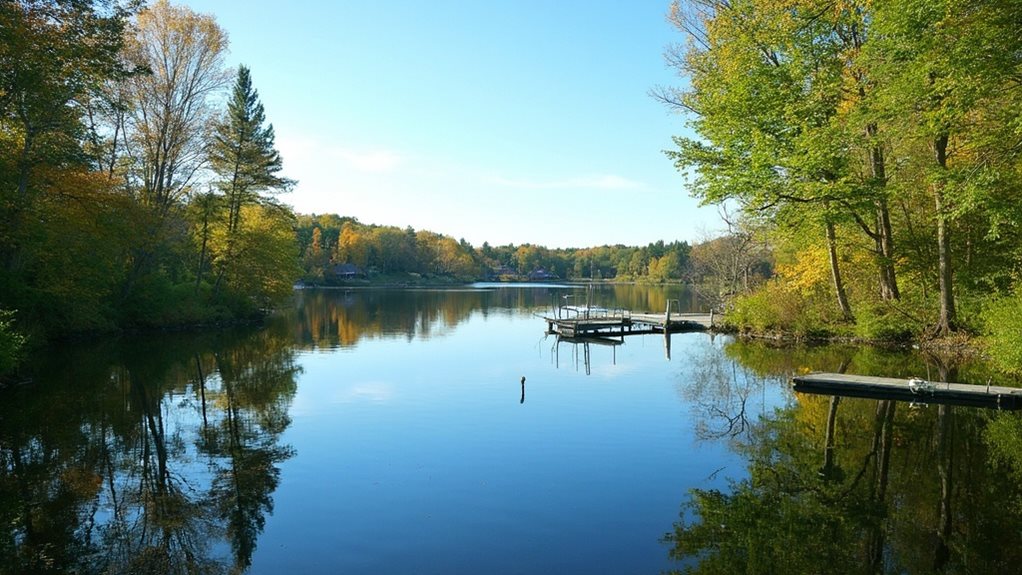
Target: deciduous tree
(170,113)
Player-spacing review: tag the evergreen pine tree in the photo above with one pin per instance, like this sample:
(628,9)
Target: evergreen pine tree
(243,156)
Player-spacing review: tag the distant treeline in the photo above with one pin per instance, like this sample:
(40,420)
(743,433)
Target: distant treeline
(337,248)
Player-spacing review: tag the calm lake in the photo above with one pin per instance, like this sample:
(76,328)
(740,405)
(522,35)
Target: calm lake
(389,431)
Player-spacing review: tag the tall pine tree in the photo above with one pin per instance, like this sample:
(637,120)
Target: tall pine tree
(243,156)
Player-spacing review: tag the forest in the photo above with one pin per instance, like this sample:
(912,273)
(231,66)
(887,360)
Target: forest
(140,188)
(876,147)
(866,158)
(403,255)
(139,183)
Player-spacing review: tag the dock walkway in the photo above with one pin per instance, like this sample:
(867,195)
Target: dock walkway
(915,390)
(619,323)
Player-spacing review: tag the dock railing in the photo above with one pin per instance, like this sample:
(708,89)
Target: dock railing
(578,312)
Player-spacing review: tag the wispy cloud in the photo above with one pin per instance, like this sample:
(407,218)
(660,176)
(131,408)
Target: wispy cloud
(368,161)
(308,151)
(593,182)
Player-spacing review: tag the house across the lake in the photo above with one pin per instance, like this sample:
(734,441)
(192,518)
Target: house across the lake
(503,271)
(345,272)
(542,275)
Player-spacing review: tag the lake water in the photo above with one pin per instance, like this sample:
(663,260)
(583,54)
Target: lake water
(389,431)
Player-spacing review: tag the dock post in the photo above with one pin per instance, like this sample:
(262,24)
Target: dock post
(589,299)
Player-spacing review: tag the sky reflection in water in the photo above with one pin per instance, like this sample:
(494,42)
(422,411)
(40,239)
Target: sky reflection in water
(374,431)
(433,462)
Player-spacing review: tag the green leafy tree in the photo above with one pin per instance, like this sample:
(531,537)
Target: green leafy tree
(770,88)
(54,55)
(265,259)
(890,117)
(948,67)
(665,267)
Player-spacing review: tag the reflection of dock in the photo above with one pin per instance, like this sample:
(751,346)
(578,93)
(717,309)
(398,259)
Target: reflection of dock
(605,339)
(995,397)
(583,343)
(619,323)
(589,339)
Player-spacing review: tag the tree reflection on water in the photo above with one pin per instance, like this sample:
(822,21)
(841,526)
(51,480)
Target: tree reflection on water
(147,457)
(163,454)
(840,485)
(343,317)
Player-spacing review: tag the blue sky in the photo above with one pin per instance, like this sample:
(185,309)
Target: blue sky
(501,121)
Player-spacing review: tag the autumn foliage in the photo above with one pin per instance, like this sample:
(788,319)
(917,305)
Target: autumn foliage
(108,219)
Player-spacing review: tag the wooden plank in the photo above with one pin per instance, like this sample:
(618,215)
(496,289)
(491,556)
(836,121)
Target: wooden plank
(998,397)
(702,319)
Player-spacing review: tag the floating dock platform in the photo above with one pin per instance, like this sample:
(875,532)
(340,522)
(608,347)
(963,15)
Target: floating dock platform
(914,390)
(605,324)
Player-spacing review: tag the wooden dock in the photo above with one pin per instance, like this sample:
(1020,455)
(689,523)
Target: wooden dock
(914,390)
(619,323)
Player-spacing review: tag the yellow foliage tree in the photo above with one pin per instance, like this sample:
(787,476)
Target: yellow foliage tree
(352,246)
(809,273)
(265,265)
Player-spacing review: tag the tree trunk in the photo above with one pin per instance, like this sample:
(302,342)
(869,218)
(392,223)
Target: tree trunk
(884,240)
(885,432)
(882,442)
(202,393)
(946,323)
(12,260)
(885,247)
(828,447)
(835,273)
(202,250)
(945,462)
